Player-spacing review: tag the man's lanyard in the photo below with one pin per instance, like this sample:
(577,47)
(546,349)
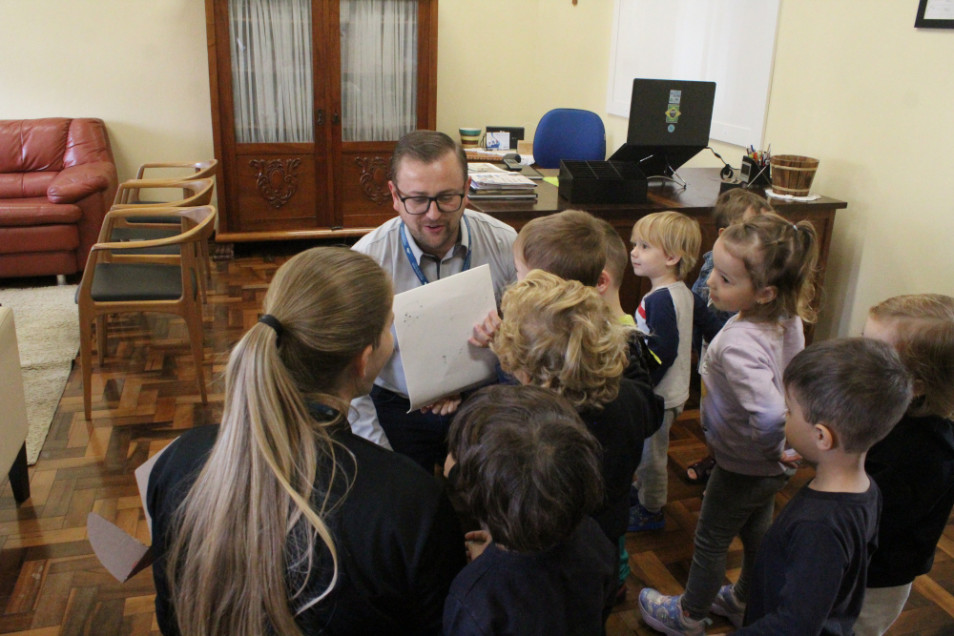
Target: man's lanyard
(417,268)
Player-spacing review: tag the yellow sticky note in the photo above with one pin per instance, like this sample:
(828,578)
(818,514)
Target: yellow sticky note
(552,181)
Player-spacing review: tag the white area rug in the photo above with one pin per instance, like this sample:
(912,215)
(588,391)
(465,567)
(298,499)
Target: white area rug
(47,322)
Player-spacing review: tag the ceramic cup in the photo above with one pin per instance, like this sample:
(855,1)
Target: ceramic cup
(469,137)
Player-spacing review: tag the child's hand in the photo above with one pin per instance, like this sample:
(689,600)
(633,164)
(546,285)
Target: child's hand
(476,541)
(484,331)
(790,458)
(444,406)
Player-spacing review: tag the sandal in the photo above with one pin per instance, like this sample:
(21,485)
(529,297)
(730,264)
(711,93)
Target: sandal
(698,473)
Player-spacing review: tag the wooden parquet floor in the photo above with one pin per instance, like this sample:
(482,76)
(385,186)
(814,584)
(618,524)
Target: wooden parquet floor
(145,395)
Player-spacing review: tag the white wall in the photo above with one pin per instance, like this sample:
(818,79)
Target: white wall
(855,85)
(140,66)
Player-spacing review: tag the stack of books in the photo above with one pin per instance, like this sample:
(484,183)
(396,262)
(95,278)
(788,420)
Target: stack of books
(490,182)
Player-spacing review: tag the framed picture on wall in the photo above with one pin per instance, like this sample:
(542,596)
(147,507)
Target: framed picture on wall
(935,14)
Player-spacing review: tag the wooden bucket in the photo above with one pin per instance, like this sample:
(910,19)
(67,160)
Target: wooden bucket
(793,174)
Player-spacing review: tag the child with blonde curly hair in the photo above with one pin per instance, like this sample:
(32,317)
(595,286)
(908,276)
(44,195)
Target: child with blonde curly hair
(560,335)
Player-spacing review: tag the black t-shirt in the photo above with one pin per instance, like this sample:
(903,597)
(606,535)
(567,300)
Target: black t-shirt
(621,427)
(810,572)
(399,543)
(914,468)
(559,591)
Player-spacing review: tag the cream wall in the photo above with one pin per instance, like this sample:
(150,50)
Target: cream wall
(855,85)
(140,66)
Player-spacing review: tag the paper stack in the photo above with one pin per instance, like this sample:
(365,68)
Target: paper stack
(500,184)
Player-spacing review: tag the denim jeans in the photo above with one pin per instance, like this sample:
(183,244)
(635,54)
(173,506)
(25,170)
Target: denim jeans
(653,471)
(733,505)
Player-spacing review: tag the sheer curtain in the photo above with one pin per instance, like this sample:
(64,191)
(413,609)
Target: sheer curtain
(271,70)
(378,69)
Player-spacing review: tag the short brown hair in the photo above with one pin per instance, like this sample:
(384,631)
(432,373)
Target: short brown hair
(528,469)
(614,248)
(568,244)
(924,338)
(426,146)
(858,387)
(564,337)
(675,234)
(731,205)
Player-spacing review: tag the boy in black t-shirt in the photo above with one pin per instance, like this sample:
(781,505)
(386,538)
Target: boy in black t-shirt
(842,397)
(529,471)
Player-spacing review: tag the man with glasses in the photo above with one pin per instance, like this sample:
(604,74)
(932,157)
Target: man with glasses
(434,236)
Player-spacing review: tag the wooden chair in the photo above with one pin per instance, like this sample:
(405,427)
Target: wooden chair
(192,192)
(200,169)
(113,284)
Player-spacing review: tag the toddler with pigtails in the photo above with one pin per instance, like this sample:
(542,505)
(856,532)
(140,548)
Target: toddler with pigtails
(763,270)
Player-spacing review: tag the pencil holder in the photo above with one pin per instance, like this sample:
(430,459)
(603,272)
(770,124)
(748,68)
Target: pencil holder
(793,174)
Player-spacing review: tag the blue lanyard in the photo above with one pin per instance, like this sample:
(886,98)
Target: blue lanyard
(417,268)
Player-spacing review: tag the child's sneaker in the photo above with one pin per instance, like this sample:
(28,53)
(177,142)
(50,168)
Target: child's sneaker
(664,614)
(725,604)
(641,519)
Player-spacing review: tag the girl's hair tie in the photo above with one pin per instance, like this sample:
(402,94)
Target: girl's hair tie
(274,323)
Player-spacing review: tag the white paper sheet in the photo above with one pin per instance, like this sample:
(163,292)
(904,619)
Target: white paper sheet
(433,323)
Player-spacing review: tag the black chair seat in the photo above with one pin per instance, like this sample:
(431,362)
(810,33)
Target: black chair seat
(135,282)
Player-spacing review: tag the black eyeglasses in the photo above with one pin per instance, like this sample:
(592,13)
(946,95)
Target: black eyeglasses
(447,202)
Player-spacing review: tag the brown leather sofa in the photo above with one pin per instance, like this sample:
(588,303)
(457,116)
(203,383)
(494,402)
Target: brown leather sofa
(57,180)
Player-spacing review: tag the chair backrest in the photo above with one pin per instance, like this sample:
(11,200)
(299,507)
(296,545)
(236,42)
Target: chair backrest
(200,169)
(193,192)
(568,133)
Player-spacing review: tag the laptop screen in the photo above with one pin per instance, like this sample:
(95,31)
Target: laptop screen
(670,113)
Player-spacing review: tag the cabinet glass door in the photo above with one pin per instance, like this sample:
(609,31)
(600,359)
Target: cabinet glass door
(270,45)
(379,51)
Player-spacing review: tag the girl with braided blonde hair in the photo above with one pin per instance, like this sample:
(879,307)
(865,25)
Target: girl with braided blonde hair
(281,521)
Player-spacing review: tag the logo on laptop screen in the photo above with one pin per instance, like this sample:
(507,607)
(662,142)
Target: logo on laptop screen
(673,112)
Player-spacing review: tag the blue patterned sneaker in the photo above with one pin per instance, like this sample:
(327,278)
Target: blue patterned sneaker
(664,614)
(725,604)
(641,519)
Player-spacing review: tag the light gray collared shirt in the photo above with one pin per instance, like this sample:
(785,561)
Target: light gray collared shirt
(489,242)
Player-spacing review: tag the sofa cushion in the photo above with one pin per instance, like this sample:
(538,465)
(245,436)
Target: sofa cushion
(87,142)
(33,145)
(14,185)
(39,238)
(37,211)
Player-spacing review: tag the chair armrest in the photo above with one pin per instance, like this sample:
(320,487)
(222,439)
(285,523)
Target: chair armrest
(77,182)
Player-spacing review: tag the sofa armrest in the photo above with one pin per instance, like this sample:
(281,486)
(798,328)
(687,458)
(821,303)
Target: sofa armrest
(76,182)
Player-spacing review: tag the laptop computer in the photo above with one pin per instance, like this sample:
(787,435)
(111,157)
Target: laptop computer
(669,122)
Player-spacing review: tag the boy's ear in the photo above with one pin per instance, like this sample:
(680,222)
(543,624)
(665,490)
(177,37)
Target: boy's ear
(823,436)
(766,294)
(603,282)
(672,261)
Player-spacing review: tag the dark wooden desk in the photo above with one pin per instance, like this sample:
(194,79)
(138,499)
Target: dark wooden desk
(696,200)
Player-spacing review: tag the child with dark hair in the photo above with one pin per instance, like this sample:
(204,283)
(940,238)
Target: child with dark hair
(843,396)
(529,472)
(914,465)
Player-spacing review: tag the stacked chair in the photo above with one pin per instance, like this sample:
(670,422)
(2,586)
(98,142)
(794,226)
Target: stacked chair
(147,275)
(152,256)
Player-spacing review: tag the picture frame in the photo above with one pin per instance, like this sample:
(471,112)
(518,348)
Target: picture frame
(935,14)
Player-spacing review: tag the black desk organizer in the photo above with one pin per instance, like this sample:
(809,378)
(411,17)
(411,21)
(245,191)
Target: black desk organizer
(602,182)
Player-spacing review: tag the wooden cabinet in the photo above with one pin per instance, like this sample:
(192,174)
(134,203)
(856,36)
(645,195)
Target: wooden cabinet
(308,100)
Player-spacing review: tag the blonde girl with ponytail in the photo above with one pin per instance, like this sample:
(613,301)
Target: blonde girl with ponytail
(281,521)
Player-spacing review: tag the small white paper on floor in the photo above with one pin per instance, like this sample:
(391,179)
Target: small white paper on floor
(433,323)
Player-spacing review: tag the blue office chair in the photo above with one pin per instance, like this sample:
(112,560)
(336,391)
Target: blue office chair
(569,133)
